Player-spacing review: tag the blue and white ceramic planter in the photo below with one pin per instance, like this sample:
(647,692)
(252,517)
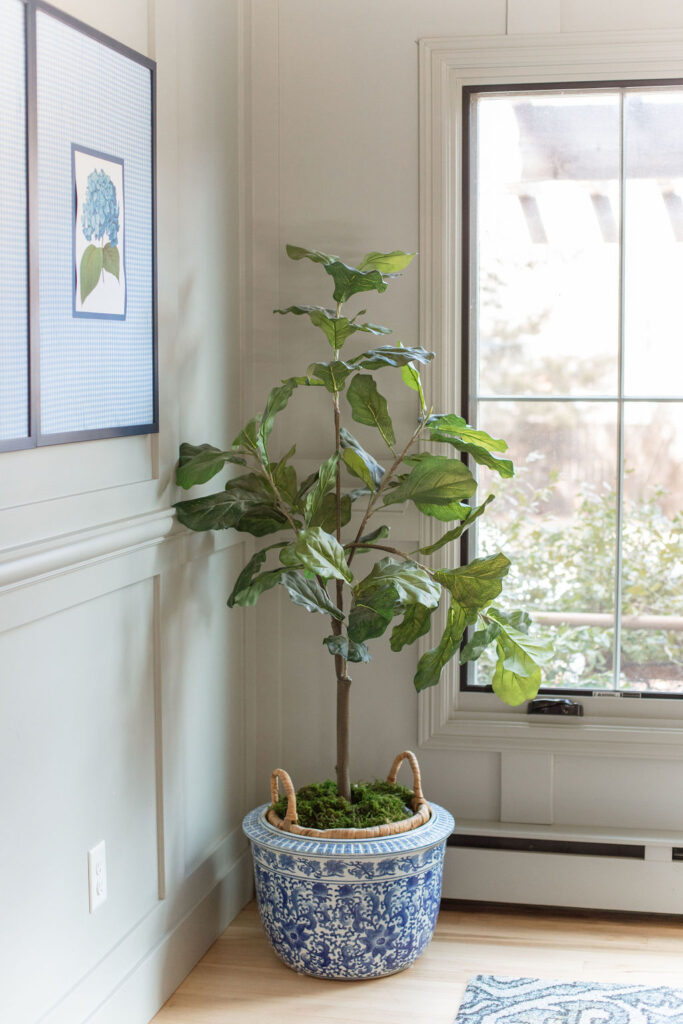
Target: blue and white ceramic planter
(348,909)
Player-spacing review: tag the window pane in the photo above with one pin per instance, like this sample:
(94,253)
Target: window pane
(652,575)
(547,254)
(654,243)
(556,520)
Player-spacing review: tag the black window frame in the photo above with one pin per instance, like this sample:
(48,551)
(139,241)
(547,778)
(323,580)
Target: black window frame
(468,400)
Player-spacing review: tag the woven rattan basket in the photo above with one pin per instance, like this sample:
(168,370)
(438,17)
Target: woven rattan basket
(392,828)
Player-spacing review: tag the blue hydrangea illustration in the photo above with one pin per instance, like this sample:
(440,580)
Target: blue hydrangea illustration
(100,221)
(100,209)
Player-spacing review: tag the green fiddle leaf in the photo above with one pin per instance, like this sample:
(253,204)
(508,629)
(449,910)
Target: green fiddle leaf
(517,676)
(449,423)
(366,328)
(326,516)
(431,664)
(111,261)
(345,648)
(322,553)
(380,533)
(249,593)
(306,485)
(91,268)
(370,616)
(478,643)
(277,400)
(519,620)
(387,262)
(297,252)
(453,430)
(436,485)
(289,557)
(284,478)
(411,378)
(416,622)
(199,463)
(331,375)
(477,584)
(372,467)
(472,515)
(246,576)
(357,466)
(389,355)
(369,407)
(350,281)
(327,477)
(309,594)
(412,584)
(335,328)
(250,438)
(247,504)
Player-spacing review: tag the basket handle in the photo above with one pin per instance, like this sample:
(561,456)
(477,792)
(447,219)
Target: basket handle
(279,774)
(409,756)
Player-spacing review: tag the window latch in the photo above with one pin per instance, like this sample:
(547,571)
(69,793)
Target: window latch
(555,706)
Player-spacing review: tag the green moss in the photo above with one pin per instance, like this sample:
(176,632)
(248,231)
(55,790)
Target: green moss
(372,803)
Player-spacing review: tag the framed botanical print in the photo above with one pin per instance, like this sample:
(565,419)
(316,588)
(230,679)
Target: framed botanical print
(88,214)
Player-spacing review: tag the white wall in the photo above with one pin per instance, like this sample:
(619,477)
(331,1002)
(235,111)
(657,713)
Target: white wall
(335,90)
(121,671)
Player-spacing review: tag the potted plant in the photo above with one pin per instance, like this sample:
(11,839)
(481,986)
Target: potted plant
(359,899)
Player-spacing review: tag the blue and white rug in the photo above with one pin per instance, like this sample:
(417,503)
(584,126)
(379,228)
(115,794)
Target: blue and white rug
(491,999)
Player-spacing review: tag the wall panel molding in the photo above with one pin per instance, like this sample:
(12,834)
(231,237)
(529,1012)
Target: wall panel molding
(28,564)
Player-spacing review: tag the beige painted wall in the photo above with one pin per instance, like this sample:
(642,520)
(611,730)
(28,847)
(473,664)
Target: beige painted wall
(121,678)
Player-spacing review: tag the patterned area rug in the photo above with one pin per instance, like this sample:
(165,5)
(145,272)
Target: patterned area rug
(491,999)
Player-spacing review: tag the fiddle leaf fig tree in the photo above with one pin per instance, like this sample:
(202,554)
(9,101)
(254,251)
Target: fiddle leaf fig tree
(362,584)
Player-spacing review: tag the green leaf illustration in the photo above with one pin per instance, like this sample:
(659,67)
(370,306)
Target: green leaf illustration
(111,260)
(91,268)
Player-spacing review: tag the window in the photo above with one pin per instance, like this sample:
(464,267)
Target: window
(573,323)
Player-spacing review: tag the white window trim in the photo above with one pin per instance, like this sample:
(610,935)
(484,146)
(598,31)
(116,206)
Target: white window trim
(448,718)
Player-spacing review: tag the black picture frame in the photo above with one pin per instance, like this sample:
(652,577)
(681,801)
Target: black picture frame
(36,436)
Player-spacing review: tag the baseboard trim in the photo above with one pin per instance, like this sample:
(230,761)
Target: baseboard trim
(534,910)
(142,989)
(142,993)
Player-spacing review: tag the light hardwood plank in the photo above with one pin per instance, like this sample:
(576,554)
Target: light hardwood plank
(241,981)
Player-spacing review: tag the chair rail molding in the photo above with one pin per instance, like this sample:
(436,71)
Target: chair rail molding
(446,717)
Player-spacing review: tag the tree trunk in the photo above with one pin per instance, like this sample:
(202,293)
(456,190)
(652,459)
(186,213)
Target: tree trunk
(343,681)
(343,771)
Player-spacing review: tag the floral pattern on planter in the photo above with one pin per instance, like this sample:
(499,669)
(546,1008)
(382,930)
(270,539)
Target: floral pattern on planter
(349,909)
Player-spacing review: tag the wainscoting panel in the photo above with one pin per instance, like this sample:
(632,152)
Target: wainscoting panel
(78,763)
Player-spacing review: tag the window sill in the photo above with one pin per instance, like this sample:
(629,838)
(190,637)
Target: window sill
(654,738)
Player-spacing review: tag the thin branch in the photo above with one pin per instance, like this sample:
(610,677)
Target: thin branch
(392,551)
(383,485)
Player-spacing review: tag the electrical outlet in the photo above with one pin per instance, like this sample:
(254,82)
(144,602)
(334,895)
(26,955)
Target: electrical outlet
(97,876)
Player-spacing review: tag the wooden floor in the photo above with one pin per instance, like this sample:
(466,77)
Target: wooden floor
(241,980)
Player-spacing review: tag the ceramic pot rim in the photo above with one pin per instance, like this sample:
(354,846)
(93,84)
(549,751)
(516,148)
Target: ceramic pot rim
(438,828)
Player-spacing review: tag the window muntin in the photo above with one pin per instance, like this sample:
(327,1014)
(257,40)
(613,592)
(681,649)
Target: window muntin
(575,238)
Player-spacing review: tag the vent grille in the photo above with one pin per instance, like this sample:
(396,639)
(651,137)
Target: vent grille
(577,848)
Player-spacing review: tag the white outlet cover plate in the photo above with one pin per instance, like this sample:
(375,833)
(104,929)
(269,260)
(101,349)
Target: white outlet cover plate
(97,876)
